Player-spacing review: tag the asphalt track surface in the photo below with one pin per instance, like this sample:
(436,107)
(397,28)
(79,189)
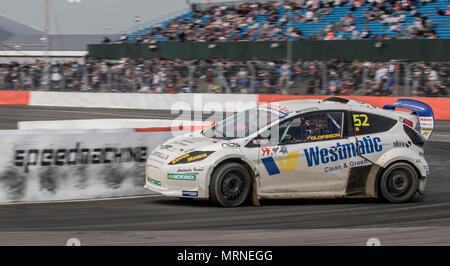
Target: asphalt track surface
(157,220)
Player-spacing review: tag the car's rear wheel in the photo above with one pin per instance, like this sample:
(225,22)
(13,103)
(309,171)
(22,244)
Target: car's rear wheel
(230,185)
(399,183)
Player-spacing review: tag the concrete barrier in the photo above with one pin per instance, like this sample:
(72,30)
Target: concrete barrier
(188,101)
(107,124)
(182,101)
(15,97)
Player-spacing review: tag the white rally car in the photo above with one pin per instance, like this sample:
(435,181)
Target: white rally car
(299,149)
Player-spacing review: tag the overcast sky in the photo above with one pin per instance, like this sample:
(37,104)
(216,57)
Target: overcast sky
(89,16)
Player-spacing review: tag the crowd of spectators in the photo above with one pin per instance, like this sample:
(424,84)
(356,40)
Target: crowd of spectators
(333,77)
(241,23)
(388,12)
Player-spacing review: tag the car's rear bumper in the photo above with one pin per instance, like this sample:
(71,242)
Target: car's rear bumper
(422,183)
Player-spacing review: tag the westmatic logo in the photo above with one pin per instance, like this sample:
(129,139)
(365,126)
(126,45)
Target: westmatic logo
(315,156)
(318,155)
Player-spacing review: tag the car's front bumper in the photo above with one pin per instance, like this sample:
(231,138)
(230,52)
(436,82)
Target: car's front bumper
(157,179)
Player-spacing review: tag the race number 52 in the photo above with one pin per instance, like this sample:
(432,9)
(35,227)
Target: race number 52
(361,120)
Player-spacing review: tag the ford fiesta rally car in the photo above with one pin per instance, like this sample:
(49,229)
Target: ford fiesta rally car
(300,149)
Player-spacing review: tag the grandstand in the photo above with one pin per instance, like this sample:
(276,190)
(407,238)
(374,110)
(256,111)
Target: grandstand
(441,24)
(372,67)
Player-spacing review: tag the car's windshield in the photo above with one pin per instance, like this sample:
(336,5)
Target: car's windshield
(245,123)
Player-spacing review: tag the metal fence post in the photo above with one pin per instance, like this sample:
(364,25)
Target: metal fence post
(20,79)
(134,81)
(109,80)
(85,82)
(324,77)
(252,77)
(396,80)
(407,79)
(365,74)
(191,70)
(63,80)
(223,80)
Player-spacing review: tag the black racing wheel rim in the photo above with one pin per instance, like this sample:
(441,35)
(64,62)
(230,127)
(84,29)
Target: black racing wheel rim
(400,181)
(233,184)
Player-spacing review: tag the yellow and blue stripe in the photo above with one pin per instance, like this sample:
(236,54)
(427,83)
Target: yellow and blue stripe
(283,165)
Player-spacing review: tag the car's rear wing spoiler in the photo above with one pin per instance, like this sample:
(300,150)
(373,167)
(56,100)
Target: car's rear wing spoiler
(421,109)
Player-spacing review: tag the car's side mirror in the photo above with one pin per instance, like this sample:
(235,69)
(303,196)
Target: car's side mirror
(264,139)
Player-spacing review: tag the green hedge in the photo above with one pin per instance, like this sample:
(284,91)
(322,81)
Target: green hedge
(414,50)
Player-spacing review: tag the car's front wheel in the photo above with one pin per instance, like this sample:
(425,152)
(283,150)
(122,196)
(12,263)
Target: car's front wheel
(399,183)
(230,185)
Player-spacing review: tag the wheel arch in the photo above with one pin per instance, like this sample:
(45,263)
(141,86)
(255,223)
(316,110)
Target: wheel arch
(398,155)
(383,169)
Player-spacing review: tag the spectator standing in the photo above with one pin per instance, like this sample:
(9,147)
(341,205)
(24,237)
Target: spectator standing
(366,34)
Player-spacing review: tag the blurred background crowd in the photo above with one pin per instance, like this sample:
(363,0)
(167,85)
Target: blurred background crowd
(332,77)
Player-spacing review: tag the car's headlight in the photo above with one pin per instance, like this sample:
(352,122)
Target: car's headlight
(191,157)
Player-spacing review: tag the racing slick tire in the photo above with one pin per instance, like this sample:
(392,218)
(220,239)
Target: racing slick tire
(399,183)
(230,185)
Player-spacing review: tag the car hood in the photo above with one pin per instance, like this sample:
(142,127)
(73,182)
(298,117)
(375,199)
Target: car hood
(182,145)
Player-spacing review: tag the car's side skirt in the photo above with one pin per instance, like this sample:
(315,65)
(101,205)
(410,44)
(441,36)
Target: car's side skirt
(303,195)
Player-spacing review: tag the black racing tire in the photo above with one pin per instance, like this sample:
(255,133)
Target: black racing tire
(399,183)
(230,185)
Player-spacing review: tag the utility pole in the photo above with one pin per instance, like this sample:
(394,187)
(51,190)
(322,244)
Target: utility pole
(45,78)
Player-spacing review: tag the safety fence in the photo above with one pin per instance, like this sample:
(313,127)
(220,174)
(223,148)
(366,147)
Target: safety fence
(333,77)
